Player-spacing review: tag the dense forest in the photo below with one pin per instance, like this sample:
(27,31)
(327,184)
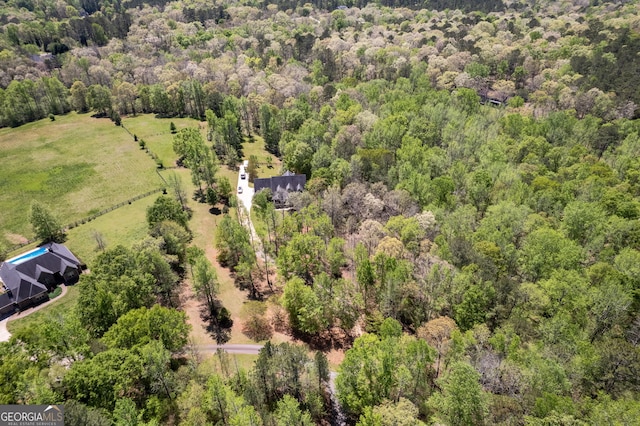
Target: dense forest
(469,235)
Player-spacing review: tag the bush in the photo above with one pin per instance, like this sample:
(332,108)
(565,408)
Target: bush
(257,327)
(52,117)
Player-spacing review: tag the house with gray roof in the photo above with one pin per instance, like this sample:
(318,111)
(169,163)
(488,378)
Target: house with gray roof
(27,279)
(280,186)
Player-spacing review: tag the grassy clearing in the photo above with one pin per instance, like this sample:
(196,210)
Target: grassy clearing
(257,148)
(157,134)
(212,364)
(123,226)
(57,307)
(78,165)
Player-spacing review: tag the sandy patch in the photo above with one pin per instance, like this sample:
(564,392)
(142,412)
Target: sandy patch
(16,238)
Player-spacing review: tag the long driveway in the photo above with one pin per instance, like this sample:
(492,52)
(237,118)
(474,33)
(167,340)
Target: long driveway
(247,192)
(246,199)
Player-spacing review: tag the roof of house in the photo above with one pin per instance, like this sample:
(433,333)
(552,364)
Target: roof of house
(21,275)
(288,181)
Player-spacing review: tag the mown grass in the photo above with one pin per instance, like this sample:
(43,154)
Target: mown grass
(123,226)
(57,307)
(77,165)
(257,148)
(156,133)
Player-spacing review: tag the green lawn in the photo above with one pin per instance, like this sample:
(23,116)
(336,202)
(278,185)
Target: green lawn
(123,226)
(77,165)
(157,134)
(57,307)
(257,148)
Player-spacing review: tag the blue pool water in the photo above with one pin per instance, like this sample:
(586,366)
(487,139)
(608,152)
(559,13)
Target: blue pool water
(28,255)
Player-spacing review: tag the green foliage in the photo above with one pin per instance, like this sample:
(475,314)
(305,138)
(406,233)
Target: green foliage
(139,326)
(375,369)
(45,225)
(545,250)
(115,286)
(303,307)
(402,413)
(303,257)
(166,208)
(99,381)
(288,413)
(462,401)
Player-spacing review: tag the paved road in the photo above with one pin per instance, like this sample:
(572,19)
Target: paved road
(231,348)
(246,198)
(247,192)
(4,333)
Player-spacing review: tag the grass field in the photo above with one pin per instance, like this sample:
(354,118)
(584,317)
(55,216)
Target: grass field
(77,165)
(157,134)
(123,226)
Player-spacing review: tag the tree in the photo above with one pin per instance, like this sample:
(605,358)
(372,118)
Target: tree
(252,169)
(140,326)
(45,224)
(462,401)
(99,99)
(224,189)
(545,250)
(205,281)
(101,380)
(401,413)
(391,367)
(288,412)
(304,308)
(79,96)
(304,256)
(166,208)
(437,333)
(156,361)
(177,186)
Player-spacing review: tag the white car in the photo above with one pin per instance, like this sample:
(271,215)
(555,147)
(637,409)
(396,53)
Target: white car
(243,176)
(239,190)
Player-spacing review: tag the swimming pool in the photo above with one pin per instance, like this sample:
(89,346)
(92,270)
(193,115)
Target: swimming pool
(28,255)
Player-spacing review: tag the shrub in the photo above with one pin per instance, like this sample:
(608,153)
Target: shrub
(257,327)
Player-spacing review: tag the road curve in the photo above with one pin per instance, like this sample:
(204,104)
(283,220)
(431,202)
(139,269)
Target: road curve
(4,332)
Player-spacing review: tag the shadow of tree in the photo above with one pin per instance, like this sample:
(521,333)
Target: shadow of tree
(218,322)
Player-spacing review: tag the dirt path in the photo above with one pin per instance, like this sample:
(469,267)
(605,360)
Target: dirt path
(203,224)
(4,333)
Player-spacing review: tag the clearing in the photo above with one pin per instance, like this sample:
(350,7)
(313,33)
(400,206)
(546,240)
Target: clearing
(77,165)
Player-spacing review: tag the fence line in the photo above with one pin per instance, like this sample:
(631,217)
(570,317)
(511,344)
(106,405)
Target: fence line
(152,154)
(92,217)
